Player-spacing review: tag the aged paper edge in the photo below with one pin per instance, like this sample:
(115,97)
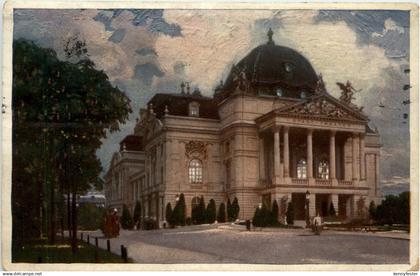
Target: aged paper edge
(7,137)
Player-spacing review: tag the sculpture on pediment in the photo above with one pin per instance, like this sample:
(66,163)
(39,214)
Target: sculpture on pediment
(320,86)
(320,107)
(198,147)
(240,79)
(347,92)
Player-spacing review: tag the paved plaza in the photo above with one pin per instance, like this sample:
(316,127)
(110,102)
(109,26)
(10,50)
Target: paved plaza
(232,244)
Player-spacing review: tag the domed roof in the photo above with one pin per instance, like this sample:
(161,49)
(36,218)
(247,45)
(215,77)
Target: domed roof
(273,66)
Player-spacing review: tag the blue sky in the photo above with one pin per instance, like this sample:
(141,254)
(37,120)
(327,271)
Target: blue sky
(149,51)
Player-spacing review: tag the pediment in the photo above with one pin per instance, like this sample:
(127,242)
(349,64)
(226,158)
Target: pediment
(324,106)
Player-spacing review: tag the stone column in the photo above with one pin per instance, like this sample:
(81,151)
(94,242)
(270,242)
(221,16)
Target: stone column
(332,155)
(309,154)
(312,206)
(362,157)
(262,158)
(276,153)
(355,148)
(334,200)
(286,158)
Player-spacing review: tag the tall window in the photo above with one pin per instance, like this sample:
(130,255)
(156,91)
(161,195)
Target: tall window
(195,171)
(323,169)
(301,169)
(194,109)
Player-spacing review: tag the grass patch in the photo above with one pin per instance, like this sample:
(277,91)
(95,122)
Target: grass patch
(39,250)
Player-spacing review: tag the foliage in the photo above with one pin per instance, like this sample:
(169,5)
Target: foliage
(274,213)
(169,214)
(198,213)
(211,211)
(137,212)
(229,210)
(90,217)
(394,209)
(179,211)
(262,217)
(332,211)
(372,209)
(126,220)
(290,214)
(221,214)
(61,112)
(235,209)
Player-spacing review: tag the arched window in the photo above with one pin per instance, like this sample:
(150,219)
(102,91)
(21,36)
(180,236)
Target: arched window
(195,171)
(323,169)
(301,169)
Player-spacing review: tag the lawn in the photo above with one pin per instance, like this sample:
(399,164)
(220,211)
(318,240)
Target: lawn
(39,251)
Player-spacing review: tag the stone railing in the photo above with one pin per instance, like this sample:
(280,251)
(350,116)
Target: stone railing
(345,182)
(298,181)
(323,182)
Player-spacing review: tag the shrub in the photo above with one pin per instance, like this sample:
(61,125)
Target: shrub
(274,213)
(235,209)
(262,217)
(179,211)
(331,211)
(169,214)
(394,209)
(221,215)
(211,211)
(372,210)
(229,210)
(126,220)
(137,214)
(90,217)
(290,215)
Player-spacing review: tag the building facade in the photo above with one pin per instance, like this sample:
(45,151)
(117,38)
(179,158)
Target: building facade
(270,132)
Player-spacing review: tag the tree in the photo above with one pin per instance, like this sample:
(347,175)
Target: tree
(137,214)
(179,211)
(61,112)
(201,213)
(372,210)
(394,209)
(211,211)
(235,209)
(274,213)
(256,220)
(290,214)
(221,214)
(262,217)
(331,211)
(126,220)
(169,214)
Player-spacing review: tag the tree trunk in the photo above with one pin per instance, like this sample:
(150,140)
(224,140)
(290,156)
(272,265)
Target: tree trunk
(52,213)
(69,219)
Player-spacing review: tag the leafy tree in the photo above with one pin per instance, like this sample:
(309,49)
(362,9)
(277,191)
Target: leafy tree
(179,211)
(274,213)
(126,220)
(61,112)
(235,208)
(221,214)
(332,211)
(211,211)
(169,214)
(90,216)
(372,210)
(137,214)
(394,209)
(290,214)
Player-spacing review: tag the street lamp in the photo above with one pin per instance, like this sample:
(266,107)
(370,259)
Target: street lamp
(307,195)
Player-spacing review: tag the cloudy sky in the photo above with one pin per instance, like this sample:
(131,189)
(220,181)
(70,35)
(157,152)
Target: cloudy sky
(148,51)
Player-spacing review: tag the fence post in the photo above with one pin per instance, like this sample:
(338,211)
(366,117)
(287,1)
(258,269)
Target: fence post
(96,241)
(124,253)
(88,239)
(108,245)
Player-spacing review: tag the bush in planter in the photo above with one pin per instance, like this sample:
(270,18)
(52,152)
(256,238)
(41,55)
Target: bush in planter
(290,214)
(126,220)
(235,209)
(221,215)
(211,211)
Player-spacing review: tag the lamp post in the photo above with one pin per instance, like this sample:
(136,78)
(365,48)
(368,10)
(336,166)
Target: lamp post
(307,196)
